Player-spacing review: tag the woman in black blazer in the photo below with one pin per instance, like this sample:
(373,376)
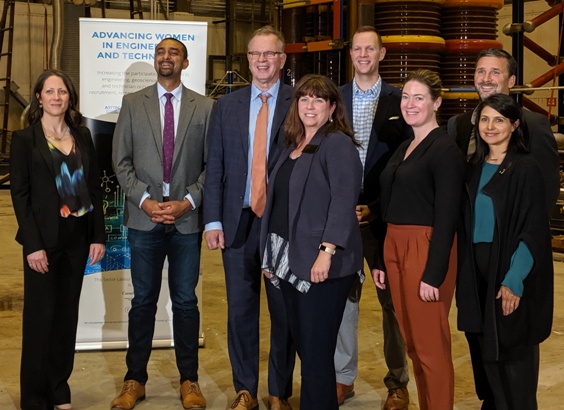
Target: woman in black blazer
(310,234)
(57,199)
(420,200)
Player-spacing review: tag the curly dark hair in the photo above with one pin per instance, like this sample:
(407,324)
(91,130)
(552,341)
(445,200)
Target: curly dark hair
(73,117)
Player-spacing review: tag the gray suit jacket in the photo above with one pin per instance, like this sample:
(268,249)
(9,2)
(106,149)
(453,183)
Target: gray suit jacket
(323,192)
(137,155)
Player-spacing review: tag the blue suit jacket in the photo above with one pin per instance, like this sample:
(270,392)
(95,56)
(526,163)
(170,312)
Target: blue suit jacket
(228,146)
(388,132)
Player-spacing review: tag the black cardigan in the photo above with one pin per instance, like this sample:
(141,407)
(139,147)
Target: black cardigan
(425,189)
(517,192)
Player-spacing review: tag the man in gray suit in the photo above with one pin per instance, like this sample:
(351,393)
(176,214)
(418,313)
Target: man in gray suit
(159,153)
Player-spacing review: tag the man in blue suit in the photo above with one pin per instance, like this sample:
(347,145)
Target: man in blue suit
(373,107)
(232,219)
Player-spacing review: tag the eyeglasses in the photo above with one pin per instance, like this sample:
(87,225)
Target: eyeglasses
(269,55)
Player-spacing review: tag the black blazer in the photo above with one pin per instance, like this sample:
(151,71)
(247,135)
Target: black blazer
(542,145)
(323,190)
(34,192)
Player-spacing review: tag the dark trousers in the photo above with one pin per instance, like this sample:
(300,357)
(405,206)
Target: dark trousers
(314,319)
(243,277)
(50,317)
(508,383)
(514,382)
(148,252)
(481,384)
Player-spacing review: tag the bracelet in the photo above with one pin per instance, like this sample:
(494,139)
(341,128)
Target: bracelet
(324,248)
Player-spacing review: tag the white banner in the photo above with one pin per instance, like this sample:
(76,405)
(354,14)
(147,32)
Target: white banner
(116,58)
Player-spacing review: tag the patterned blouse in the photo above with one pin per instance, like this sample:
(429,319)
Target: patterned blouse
(74,198)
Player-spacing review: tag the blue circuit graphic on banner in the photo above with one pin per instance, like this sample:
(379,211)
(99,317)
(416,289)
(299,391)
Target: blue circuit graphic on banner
(118,255)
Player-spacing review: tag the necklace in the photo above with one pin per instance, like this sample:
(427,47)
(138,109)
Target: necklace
(494,160)
(54,136)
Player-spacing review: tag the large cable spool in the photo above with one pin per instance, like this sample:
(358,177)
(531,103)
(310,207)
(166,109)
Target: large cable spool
(408,53)
(410,31)
(468,26)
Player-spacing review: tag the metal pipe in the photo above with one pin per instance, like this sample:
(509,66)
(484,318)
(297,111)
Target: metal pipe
(532,106)
(58,28)
(524,89)
(560,79)
(548,76)
(545,16)
(551,59)
(518,12)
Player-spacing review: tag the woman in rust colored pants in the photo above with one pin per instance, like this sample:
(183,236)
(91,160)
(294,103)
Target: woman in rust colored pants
(420,200)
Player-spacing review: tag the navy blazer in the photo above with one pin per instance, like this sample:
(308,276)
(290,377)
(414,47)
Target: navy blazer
(324,188)
(34,190)
(389,130)
(227,162)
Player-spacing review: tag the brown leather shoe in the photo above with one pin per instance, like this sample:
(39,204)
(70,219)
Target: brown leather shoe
(344,392)
(276,403)
(244,401)
(398,399)
(191,396)
(131,393)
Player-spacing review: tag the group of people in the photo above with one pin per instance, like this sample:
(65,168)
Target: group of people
(298,187)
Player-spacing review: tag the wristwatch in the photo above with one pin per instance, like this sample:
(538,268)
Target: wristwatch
(324,248)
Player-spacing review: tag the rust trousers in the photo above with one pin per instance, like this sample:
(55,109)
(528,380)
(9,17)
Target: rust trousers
(424,325)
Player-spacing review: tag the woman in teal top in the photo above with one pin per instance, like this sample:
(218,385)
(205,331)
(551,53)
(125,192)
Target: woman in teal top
(505,283)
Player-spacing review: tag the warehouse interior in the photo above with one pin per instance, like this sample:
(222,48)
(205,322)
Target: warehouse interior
(442,35)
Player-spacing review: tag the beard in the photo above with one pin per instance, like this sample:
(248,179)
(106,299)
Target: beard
(165,72)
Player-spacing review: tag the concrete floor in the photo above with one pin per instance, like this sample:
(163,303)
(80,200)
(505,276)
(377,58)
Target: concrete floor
(98,374)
